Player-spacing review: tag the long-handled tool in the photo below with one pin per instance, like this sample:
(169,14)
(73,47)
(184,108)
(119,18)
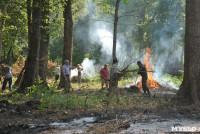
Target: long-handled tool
(131,62)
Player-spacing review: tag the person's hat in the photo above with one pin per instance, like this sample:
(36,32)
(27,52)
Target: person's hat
(106,65)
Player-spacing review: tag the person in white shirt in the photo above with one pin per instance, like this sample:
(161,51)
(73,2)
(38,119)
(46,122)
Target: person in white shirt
(57,73)
(79,68)
(66,68)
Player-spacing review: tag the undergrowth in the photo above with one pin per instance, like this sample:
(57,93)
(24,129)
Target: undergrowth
(84,97)
(172,80)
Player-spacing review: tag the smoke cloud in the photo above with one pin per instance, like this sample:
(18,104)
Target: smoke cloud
(164,46)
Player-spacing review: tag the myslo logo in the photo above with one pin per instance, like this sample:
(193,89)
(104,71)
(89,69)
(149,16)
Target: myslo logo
(183,129)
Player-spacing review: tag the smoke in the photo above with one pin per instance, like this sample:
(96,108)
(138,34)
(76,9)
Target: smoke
(169,60)
(104,38)
(99,34)
(169,46)
(164,41)
(74,72)
(89,69)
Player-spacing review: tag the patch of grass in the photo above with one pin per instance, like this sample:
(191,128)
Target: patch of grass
(125,81)
(87,98)
(176,80)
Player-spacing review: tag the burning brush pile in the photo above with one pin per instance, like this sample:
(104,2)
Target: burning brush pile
(152,84)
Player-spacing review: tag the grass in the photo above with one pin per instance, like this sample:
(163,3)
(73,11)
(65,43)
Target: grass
(85,96)
(171,80)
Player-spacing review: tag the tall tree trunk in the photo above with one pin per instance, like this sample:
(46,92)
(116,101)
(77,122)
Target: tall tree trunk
(115,30)
(29,18)
(1,36)
(190,88)
(182,56)
(33,53)
(68,35)
(20,77)
(44,43)
(68,32)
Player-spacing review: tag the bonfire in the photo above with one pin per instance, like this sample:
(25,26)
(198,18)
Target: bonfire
(151,83)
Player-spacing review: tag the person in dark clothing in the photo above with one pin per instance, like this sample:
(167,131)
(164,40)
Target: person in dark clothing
(143,72)
(6,72)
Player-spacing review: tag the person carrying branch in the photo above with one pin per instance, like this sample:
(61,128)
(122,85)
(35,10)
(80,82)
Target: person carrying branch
(114,77)
(143,72)
(66,68)
(104,73)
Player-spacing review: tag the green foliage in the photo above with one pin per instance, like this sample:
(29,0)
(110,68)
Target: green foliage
(87,99)
(15,28)
(56,28)
(77,56)
(176,80)
(56,49)
(105,7)
(50,98)
(79,10)
(17,96)
(152,16)
(60,100)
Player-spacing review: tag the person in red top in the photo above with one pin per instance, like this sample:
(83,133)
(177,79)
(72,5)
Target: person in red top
(104,73)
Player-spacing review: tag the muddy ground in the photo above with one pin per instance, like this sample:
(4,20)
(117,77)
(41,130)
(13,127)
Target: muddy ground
(26,118)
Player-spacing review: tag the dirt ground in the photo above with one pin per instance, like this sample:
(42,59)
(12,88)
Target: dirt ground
(26,118)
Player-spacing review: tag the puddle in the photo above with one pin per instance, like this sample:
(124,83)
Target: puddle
(76,123)
(75,126)
(154,124)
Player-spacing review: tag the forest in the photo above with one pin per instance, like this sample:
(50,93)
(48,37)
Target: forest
(99,66)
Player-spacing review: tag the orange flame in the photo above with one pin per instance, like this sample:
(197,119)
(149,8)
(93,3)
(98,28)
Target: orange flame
(151,83)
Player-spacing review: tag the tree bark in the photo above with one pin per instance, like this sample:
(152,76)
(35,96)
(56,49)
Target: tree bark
(68,32)
(33,53)
(182,56)
(29,18)
(115,30)
(1,36)
(68,36)
(44,43)
(20,77)
(190,88)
